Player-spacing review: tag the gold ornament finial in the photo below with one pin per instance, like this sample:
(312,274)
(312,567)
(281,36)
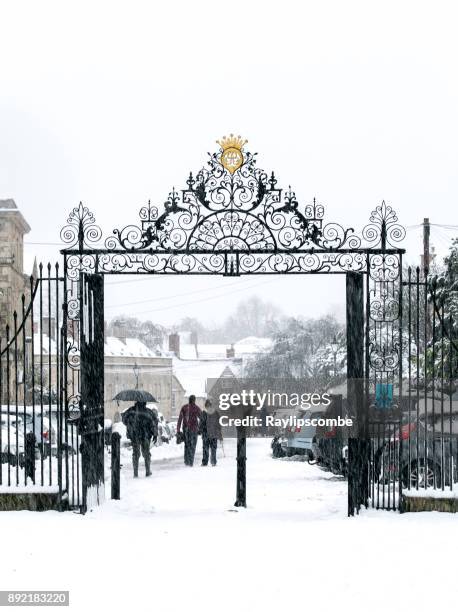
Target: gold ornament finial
(232,156)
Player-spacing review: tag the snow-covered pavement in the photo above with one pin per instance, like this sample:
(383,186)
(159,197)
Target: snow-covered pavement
(274,488)
(175,542)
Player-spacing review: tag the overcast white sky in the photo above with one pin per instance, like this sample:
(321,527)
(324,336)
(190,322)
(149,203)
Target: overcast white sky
(114,103)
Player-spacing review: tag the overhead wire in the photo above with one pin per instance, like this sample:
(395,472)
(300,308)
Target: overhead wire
(215,297)
(164,298)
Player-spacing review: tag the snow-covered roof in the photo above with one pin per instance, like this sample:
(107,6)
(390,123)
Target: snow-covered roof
(131,347)
(252,344)
(114,347)
(211,351)
(188,351)
(247,346)
(192,374)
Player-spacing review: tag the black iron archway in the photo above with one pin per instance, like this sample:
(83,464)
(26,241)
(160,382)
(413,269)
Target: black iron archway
(232,218)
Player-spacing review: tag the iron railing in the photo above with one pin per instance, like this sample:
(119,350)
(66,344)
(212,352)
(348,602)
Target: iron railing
(414,445)
(38,441)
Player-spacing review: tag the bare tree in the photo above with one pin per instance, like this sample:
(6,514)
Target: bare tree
(252,317)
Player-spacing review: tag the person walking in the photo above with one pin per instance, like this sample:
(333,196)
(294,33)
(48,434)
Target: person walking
(189,418)
(142,425)
(210,429)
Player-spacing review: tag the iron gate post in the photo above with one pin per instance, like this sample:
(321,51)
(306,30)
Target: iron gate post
(115,465)
(91,423)
(241,471)
(358,444)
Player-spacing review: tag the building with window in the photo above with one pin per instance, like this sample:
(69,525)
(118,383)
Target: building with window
(129,364)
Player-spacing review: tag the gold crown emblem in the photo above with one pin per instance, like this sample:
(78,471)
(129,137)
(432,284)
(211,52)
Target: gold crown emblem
(232,156)
(232,142)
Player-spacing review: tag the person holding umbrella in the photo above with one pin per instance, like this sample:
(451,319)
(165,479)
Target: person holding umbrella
(189,417)
(142,425)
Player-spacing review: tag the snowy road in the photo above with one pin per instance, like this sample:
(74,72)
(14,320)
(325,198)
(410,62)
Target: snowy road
(175,542)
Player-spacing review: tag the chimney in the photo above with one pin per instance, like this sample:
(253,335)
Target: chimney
(230,352)
(174,344)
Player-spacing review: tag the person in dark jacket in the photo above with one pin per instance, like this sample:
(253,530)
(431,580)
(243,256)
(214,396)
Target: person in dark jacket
(210,428)
(189,422)
(141,424)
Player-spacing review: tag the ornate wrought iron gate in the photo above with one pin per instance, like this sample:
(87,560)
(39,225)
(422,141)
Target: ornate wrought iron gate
(231,218)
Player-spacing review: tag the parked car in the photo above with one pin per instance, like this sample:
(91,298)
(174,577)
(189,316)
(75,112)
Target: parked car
(71,446)
(330,450)
(32,422)
(45,434)
(330,444)
(298,440)
(431,454)
(8,451)
(43,428)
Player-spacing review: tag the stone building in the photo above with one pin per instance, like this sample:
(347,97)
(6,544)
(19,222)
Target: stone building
(129,363)
(13,284)
(13,281)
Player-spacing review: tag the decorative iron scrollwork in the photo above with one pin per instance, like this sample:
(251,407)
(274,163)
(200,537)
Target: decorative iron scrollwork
(232,218)
(383,229)
(81,230)
(230,206)
(233,208)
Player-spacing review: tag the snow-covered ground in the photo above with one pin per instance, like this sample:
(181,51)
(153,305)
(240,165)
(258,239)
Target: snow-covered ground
(175,542)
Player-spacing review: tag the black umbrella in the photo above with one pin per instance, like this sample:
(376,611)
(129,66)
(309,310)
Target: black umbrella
(134,395)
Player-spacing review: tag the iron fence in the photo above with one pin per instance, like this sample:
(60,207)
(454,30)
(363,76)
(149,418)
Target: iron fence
(430,421)
(414,444)
(39,442)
